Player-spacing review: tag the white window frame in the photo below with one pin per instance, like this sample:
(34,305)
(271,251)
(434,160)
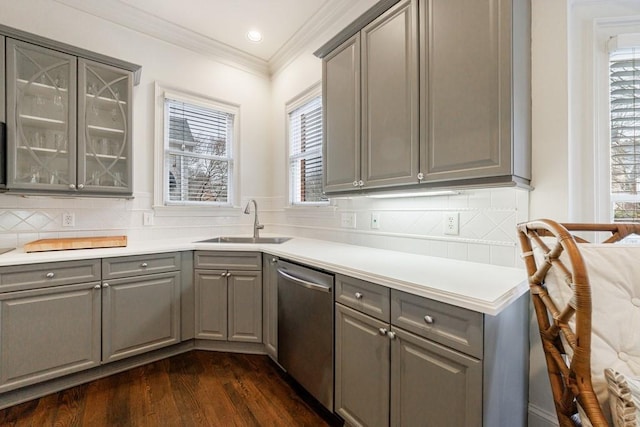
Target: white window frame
(161,204)
(307,95)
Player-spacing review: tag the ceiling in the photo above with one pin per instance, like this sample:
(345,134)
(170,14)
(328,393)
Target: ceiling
(219,27)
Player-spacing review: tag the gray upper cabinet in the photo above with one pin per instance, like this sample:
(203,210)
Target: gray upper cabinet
(474,90)
(41,118)
(389,55)
(341,107)
(439,91)
(68,118)
(370,85)
(104,123)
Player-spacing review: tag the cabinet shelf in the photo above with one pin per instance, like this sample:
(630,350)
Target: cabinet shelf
(43,122)
(104,100)
(40,88)
(104,156)
(105,131)
(43,150)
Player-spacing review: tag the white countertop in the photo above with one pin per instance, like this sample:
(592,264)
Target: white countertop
(480,287)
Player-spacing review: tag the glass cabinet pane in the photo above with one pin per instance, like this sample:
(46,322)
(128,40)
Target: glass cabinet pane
(41,110)
(104,132)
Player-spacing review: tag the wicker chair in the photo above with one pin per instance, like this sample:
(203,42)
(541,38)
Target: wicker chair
(566,330)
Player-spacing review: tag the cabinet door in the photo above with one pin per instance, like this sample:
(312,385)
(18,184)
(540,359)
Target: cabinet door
(211,304)
(47,333)
(140,314)
(245,306)
(3,116)
(341,117)
(270,305)
(432,384)
(104,128)
(41,124)
(361,369)
(390,98)
(465,89)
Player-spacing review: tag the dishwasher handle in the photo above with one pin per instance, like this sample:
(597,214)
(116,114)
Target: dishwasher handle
(305,283)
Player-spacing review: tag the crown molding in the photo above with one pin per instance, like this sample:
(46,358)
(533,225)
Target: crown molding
(331,12)
(141,21)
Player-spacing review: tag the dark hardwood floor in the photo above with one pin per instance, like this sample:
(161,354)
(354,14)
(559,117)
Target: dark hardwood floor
(193,389)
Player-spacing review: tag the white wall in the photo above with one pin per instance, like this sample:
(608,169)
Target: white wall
(24,219)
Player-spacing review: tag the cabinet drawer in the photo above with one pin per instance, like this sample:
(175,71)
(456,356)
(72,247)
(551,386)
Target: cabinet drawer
(228,260)
(366,297)
(33,276)
(455,327)
(114,268)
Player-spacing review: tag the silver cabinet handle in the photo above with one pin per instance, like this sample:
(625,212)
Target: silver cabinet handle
(391,335)
(228,274)
(355,183)
(305,283)
(359,295)
(144,265)
(50,275)
(80,186)
(274,260)
(360,183)
(105,285)
(420,176)
(224,274)
(428,320)
(382,331)
(96,287)
(72,186)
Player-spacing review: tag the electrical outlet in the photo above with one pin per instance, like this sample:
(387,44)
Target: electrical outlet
(68,219)
(147,218)
(375,220)
(348,220)
(452,223)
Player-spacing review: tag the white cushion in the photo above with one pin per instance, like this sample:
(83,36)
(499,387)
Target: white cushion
(614,275)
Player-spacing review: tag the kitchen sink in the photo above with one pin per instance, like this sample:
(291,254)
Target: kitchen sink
(234,239)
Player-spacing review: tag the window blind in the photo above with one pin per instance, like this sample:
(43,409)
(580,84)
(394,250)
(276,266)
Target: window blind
(624,80)
(198,143)
(305,153)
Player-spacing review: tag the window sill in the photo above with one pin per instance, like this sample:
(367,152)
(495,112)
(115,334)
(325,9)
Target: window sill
(200,211)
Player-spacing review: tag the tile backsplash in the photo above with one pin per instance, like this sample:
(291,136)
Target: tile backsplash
(487,220)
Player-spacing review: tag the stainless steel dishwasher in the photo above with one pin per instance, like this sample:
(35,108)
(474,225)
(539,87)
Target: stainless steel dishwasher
(305,328)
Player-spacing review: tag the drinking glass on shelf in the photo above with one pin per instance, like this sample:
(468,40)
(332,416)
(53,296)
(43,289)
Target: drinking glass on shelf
(117,179)
(60,143)
(38,139)
(104,147)
(95,178)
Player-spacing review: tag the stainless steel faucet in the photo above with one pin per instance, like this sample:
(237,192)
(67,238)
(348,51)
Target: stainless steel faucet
(256,225)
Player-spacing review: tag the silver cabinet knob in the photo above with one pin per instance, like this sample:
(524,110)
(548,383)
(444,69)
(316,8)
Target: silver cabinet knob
(105,285)
(391,335)
(360,183)
(224,274)
(420,176)
(80,186)
(144,265)
(382,331)
(96,287)
(274,260)
(428,320)
(228,274)
(359,295)
(72,186)
(355,183)
(50,275)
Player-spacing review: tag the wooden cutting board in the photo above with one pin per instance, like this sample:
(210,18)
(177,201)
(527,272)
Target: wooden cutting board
(75,243)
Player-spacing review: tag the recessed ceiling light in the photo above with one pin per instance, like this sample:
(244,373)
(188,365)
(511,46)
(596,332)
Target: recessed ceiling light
(255,36)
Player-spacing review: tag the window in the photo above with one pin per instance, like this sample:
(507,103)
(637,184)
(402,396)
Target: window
(305,149)
(198,152)
(624,95)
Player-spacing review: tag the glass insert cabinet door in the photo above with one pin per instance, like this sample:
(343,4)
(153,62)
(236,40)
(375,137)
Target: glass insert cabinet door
(104,123)
(41,118)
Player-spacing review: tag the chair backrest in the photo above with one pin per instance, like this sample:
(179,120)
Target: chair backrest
(562,299)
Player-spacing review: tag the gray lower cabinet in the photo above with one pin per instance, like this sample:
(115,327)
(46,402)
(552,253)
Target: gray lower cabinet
(140,314)
(423,362)
(228,301)
(49,332)
(270,305)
